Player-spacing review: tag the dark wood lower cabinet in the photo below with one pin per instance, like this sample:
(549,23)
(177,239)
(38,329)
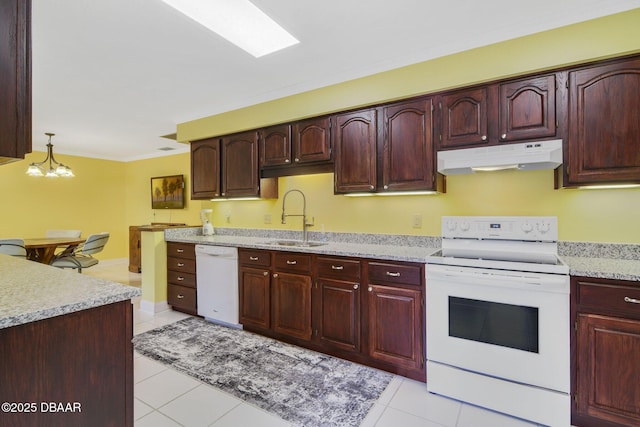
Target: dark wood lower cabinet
(394,333)
(607,353)
(321,302)
(82,361)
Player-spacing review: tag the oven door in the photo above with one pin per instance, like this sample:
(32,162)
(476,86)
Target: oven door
(504,324)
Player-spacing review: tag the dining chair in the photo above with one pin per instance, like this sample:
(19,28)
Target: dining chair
(14,247)
(63,233)
(81,257)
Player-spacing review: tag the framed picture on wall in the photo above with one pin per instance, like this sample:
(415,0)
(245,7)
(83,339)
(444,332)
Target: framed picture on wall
(167,192)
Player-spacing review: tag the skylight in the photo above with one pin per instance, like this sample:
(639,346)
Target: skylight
(238,21)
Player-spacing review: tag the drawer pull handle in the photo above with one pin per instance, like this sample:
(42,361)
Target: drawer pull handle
(392,274)
(253,258)
(337,267)
(180,278)
(179,250)
(180,296)
(180,264)
(294,262)
(632,300)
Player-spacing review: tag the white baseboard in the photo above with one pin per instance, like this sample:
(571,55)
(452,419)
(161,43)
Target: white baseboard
(153,308)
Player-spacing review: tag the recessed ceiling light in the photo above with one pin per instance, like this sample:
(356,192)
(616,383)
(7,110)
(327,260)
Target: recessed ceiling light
(238,21)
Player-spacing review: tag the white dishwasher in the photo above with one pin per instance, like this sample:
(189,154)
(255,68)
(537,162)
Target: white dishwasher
(217,273)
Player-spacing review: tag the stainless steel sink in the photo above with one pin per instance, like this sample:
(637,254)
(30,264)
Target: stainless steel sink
(297,243)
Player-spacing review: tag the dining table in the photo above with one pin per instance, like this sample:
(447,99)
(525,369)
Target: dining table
(43,249)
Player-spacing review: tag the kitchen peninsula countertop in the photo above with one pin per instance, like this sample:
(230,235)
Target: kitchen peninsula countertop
(30,291)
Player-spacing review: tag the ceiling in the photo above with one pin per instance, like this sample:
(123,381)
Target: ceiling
(111,77)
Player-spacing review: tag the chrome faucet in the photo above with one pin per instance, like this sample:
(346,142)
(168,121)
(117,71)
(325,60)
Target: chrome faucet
(305,224)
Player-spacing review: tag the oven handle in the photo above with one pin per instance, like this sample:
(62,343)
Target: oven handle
(550,282)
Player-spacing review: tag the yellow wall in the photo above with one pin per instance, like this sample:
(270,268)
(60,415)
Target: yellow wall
(110,196)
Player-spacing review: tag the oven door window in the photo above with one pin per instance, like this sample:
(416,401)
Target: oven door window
(495,323)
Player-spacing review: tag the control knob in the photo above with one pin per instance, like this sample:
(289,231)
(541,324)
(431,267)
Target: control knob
(527,227)
(543,227)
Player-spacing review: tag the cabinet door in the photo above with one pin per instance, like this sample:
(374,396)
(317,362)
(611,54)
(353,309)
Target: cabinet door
(408,153)
(15,85)
(604,124)
(608,376)
(311,141)
(339,308)
(275,146)
(205,169)
(255,297)
(240,165)
(395,326)
(464,118)
(527,108)
(356,144)
(292,305)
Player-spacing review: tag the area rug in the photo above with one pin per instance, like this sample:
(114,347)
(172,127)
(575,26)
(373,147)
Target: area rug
(301,386)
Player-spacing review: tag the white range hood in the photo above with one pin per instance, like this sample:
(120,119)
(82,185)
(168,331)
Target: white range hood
(524,156)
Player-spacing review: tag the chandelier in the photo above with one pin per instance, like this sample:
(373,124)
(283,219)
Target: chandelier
(55,169)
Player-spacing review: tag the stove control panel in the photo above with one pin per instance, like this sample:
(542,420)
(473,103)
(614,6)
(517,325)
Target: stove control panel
(534,228)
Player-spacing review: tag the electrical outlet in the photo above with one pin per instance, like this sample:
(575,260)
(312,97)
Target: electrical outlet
(417,221)
(267,218)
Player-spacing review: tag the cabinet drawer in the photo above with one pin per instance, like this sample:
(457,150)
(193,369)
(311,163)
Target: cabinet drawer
(289,261)
(609,296)
(181,264)
(339,268)
(181,250)
(395,273)
(182,297)
(181,278)
(254,258)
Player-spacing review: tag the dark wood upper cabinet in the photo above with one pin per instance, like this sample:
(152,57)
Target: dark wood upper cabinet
(603,143)
(511,111)
(464,118)
(205,169)
(356,139)
(296,148)
(240,173)
(527,108)
(408,152)
(15,84)
(275,146)
(311,140)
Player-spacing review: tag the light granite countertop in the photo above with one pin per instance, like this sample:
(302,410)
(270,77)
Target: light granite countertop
(597,260)
(30,291)
(363,250)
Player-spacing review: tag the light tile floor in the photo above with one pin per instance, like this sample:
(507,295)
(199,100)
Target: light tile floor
(165,397)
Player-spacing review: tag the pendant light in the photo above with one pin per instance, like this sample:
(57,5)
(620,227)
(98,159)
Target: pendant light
(55,169)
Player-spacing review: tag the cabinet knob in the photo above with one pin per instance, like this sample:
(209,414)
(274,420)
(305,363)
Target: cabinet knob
(180,296)
(296,160)
(337,267)
(275,275)
(386,187)
(287,161)
(371,187)
(484,137)
(223,194)
(294,262)
(253,258)
(370,289)
(356,286)
(503,136)
(266,273)
(216,195)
